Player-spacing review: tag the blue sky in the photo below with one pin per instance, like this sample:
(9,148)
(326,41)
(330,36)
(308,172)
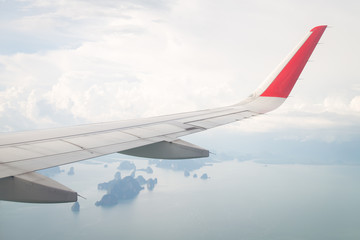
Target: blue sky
(73,62)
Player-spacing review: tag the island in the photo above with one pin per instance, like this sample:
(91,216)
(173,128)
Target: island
(204,176)
(150,183)
(71,171)
(75,207)
(126,165)
(147,170)
(122,189)
(51,172)
(188,165)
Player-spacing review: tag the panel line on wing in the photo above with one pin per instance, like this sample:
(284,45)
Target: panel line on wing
(168,118)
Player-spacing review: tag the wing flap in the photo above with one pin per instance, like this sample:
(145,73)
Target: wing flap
(35,188)
(177,149)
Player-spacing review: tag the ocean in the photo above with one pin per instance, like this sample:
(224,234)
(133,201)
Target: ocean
(240,200)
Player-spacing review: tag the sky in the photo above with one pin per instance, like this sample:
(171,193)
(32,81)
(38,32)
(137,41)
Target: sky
(75,61)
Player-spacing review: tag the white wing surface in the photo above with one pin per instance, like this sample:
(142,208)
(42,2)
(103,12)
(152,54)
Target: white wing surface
(22,153)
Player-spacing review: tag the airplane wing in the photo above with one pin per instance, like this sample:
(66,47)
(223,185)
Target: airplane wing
(22,153)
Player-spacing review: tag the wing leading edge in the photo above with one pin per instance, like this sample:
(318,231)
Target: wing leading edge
(23,153)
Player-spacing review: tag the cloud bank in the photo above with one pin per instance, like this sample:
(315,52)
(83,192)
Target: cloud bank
(73,62)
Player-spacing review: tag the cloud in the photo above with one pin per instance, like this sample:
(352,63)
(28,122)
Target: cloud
(122,74)
(45,25)
(335,119)
(355,104)
(89,61)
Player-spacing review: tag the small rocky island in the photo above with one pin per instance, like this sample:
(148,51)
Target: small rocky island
(147,170)
(150,183)
(71,171)
(204,176)
(51,172)
(126,165)
(183,165)
(75,207)
(121,189)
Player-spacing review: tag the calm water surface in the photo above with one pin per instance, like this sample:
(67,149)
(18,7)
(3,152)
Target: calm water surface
(241,200)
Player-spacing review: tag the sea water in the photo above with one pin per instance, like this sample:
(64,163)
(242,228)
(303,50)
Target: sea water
(240,200)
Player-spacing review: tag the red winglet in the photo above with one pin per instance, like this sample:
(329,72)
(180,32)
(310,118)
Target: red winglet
(285,81)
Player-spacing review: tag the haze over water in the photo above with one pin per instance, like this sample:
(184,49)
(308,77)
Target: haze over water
(241,200)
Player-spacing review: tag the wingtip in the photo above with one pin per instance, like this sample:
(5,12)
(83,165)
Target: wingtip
(287,73)
(320,27)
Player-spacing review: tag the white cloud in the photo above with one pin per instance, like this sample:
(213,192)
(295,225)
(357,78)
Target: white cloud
(355,104)
(124,59)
